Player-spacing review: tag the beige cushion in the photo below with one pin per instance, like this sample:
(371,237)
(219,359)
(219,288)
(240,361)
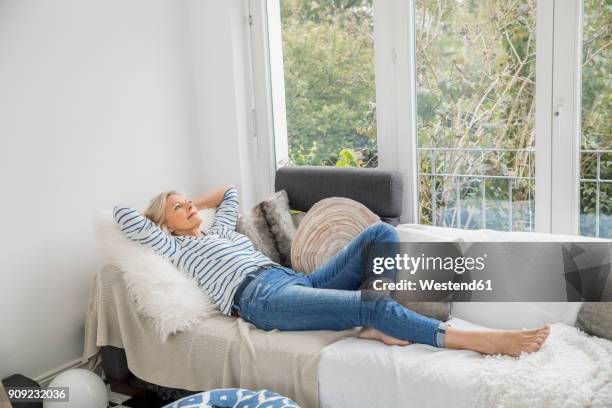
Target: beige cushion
(328,227)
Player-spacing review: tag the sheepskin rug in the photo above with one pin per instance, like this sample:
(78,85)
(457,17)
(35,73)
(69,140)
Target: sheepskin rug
(171,300)
(571,370)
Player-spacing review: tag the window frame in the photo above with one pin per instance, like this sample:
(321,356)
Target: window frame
(558,97)
(566,121)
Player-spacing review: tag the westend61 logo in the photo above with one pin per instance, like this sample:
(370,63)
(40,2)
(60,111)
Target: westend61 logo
(413,264)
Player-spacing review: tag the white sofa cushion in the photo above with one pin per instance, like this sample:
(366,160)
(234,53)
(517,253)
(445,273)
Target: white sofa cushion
(509,315)
(571,370)
(408,234)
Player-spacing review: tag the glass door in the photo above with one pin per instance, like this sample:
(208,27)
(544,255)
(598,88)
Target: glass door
(596,120)
(475,104)
(328,59)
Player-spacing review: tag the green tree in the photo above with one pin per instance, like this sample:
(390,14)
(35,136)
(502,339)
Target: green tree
(475,89)
(476,85)
(596,124)
(329,80)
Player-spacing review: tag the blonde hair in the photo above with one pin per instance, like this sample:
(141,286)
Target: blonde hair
(156,211)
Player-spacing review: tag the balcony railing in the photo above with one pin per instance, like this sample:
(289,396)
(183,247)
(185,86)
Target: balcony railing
(459,178)
(598,180)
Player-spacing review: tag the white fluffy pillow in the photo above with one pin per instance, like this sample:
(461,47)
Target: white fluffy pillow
(159,290)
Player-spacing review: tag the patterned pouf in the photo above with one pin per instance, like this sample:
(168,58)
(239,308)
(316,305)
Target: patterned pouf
(234,398)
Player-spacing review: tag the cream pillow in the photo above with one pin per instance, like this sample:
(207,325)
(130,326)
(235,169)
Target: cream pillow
(327,228)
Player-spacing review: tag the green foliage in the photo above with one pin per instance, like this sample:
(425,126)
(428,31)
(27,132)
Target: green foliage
(329,78)
(346,158)
(596,119)
(476,85)
(475,89)
(596,75)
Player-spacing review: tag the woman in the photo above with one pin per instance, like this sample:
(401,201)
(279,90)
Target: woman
(244,282)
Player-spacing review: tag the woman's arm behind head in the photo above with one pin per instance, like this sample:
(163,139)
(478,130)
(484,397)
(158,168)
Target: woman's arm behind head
(212,198)
(142,230)
(227,212)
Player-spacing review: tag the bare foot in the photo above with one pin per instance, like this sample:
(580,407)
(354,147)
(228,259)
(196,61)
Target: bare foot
(507,342)
(373,334)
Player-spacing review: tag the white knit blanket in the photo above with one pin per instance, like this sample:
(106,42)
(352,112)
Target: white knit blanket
(571,370)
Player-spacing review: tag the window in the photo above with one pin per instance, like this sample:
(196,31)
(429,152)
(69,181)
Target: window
(475,72)
(328,58)
(496,113)
(596,123)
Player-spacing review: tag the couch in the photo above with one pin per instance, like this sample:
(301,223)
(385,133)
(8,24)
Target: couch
(354,373)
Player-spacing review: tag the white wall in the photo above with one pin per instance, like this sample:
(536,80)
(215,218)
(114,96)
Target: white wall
(220,37)
(97,105)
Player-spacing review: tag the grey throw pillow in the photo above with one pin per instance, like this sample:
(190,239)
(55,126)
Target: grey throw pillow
(596,318)
(277,214)
(255,227)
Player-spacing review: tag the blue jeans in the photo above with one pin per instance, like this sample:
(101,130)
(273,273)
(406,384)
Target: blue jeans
(329,298)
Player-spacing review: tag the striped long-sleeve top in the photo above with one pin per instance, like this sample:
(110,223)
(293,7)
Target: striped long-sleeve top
(219,260)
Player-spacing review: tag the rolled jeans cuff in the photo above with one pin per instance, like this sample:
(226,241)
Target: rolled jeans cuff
(440,335)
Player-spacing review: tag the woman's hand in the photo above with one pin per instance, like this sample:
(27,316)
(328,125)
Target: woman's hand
(212,198)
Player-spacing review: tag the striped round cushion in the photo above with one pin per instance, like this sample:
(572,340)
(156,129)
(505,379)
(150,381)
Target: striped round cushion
(234,398)
(328,227)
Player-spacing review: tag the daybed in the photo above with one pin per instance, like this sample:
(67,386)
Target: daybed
(224,351)
(335,369)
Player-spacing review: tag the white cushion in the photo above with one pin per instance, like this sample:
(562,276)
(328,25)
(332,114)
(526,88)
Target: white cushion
(157,288)
(516,315)
(487,235)
(407,234)
(571,370)
(508,315)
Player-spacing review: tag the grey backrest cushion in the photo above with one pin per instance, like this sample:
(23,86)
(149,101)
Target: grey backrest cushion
(379,190)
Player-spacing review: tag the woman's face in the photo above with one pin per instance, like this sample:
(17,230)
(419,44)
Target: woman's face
(181,214)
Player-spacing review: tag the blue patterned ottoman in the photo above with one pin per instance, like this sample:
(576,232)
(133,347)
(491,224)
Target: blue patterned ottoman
(234,398)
